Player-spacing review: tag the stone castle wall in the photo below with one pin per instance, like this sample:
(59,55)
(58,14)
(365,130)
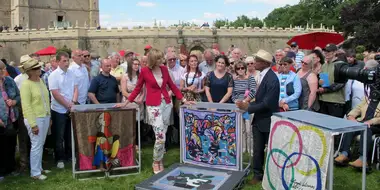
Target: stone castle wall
(104,41)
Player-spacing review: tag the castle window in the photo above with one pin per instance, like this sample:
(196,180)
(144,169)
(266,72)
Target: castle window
(59,18)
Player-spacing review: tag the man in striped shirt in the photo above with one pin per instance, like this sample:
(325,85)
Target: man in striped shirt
(299,54)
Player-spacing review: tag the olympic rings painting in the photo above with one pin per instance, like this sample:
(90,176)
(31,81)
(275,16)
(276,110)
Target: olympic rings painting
(297,156)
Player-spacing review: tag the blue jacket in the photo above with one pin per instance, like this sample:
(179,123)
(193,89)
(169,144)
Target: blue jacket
(291,100)
(14,94)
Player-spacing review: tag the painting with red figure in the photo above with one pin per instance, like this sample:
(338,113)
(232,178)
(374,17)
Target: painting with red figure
(104,139)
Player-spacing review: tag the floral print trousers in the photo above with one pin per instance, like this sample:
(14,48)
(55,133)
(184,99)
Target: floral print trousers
(159,119)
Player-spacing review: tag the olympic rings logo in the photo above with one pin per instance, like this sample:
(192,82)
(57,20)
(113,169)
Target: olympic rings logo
(318,164)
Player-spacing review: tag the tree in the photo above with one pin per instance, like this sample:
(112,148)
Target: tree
(65,49)
(241,21)
(184,24)
(317,12)
(362,20)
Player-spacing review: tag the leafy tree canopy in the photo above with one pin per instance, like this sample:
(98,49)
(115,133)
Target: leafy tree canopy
(241,21)
(362,20)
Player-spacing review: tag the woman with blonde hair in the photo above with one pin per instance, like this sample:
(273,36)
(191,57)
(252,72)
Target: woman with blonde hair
(199,54)
(36,108)
(156,79)
(251,70)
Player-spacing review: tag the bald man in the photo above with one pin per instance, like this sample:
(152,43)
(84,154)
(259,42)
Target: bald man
(104,88)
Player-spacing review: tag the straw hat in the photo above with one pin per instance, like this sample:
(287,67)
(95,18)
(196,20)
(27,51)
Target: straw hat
(264,56)
(24,58)
(31,64)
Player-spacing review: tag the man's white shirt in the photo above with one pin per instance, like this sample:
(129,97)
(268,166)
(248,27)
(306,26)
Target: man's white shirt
(65,83)
(82,76)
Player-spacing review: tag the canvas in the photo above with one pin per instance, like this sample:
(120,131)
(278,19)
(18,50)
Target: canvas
(191,178)
(210,138)
(104,139)
(185,176)
(297,156)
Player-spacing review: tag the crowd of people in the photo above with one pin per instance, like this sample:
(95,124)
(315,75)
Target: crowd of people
(36,98)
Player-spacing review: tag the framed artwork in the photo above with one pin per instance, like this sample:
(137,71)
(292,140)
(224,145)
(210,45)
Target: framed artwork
(104,139)
(211,138)
(297,156)
(186,176)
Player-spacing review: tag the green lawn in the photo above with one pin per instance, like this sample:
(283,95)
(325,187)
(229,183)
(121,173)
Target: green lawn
(344,178)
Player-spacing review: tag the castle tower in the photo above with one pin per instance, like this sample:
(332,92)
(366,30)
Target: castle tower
(20,13)
(44,13)
(5,12)
(94,13)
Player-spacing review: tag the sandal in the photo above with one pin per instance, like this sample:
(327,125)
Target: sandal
(156,168)
(40,177)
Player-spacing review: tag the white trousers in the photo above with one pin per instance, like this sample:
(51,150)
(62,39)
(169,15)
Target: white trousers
(247,141)
(37,144)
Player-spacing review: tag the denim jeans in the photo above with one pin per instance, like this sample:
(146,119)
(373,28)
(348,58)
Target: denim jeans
(37,142)
(61,129)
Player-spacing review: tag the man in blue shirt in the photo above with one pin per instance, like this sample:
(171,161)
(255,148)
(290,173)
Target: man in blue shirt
(104,88)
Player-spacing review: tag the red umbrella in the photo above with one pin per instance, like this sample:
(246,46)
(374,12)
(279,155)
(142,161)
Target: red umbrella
(320,39)
(51,50)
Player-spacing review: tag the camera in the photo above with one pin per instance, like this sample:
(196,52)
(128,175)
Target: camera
(370,77)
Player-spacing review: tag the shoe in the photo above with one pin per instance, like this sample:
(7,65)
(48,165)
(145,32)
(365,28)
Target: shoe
(357,164)
(45,171)
(156,168)
(40,177)
(60,165)
(254,181)
(341,160)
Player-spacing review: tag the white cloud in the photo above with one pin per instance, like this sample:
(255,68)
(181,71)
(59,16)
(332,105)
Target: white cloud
(145,4)
(208,15)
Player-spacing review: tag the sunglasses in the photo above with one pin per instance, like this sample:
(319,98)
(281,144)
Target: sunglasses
(173,59)
(86,56)
(283,64)
(251,63)
(232,63)
(303,62)
(240,68)
(35,69)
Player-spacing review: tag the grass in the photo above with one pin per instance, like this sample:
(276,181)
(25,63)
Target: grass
(344,178)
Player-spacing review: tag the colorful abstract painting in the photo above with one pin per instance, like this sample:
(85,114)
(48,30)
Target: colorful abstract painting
(297,156)
(210,138)
(104,139)
(191,178)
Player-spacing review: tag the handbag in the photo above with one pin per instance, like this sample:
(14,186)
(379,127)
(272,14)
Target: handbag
(290,89)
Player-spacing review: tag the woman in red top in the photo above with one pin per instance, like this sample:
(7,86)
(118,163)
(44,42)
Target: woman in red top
(156,79)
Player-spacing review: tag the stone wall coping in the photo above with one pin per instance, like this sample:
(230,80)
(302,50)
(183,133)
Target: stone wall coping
(157,31)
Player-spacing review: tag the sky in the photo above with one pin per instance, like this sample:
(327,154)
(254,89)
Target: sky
(130,13)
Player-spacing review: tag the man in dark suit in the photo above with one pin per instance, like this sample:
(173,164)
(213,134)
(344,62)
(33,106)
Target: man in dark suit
(266,103)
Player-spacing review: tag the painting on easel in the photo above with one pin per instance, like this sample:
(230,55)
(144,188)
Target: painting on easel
(211,139)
